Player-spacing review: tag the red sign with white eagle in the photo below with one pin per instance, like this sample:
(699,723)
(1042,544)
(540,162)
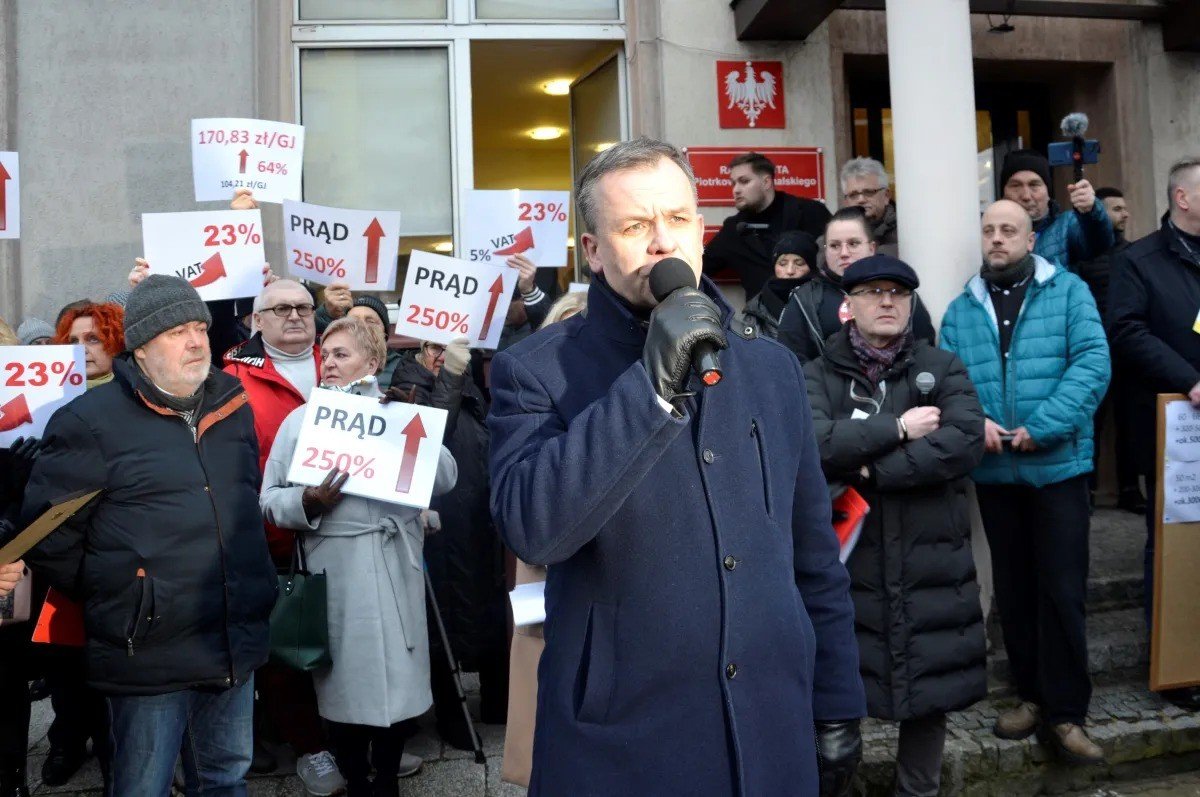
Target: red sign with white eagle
(750,94)
(798,170)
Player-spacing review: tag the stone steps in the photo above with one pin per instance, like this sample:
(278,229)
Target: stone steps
(1117,643)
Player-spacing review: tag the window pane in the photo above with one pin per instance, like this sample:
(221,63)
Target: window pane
(377,132)
(372,9)
(547,9)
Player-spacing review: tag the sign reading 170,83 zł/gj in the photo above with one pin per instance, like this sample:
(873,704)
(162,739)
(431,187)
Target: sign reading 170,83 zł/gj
(517,222)
(220,252)
(447,298)
(336,245)
(228,154)
(390,450)
(34,382)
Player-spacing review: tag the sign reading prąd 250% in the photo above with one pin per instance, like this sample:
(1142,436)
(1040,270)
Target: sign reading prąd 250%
(220,252)
(34,382)
(391,451)
(339,245)
(446,298)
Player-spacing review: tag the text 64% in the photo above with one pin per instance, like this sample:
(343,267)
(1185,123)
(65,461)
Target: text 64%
(439,319)
(37,374)
(325,459)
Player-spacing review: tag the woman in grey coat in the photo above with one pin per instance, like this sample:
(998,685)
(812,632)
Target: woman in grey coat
(371,552)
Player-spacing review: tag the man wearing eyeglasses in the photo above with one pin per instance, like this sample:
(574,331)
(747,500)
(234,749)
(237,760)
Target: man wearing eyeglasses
(865,185)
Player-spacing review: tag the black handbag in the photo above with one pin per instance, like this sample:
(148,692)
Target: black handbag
(300,619)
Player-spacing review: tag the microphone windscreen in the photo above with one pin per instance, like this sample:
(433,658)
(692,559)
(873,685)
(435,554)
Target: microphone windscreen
(669,275)
(1074,124)
(925,382)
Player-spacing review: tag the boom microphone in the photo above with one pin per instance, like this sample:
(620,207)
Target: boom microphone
(669,275)
(1075,125)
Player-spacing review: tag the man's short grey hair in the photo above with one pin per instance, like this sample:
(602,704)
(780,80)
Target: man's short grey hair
(281,282)
(640,153)
(864,167)
(1184,174)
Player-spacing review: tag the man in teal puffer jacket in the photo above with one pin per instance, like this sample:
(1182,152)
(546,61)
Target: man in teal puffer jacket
(1031,338)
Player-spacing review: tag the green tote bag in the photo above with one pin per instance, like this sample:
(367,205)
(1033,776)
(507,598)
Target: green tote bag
(299,621)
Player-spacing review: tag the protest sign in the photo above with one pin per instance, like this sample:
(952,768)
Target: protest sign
(228,154)
(327,245)
(447,298)
(220,252)
(517,222)
(34,382)
(390,450)
(10,196)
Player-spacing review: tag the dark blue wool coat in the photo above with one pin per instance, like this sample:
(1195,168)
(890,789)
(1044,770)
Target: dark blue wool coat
(698,618)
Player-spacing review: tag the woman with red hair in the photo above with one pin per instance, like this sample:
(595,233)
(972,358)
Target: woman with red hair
(100,328)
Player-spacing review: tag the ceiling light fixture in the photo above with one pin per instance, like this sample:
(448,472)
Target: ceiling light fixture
(443,246)
(557,88)
(603,145)
(545,133)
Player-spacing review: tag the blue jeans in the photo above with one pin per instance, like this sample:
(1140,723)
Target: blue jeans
(213,730)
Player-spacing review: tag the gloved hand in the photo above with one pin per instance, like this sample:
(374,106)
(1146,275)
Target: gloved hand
(457,356)
(21,456)
(839,750)
(325,496)
(678,323)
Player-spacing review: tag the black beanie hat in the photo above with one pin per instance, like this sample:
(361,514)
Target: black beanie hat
(797,242)
(373,303)
(161,302)
(1025,160)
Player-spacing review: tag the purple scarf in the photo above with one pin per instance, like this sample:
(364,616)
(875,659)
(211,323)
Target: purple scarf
(875,361)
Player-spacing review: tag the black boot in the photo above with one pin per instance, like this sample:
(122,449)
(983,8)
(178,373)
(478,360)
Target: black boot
(61,765)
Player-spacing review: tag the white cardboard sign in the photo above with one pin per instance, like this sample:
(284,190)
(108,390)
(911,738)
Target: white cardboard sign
(228,154)
(390,450)
(447,298)
(34,382)
(327,245)
(220,252)
(517,222)
(10,195)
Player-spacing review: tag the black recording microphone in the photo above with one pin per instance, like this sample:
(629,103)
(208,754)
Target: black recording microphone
(744,226)
(925,382)
(669,275)
(1075,125)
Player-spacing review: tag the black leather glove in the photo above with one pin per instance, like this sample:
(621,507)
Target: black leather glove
(325,496)
(677,324)
(21,456)
(839,750)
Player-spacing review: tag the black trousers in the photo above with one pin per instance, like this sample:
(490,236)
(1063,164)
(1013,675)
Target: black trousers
(14,697)
(1039,542)
(80,712)
(357,748)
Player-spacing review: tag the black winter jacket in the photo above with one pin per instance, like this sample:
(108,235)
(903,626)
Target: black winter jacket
(1153,299)
(465,558)
(170,561)
(916,602)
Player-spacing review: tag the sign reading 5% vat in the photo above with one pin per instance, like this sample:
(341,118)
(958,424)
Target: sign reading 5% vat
(228,154)
(336,245)
(517,222)
(34,382)
(220,252)
(447,298)
(391,451)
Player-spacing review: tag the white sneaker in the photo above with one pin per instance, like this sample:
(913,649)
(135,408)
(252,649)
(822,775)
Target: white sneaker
(319,774)
(410,765)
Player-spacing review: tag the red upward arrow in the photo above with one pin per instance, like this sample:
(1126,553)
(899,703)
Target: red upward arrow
(522,242)
(496,289)
(413,433)
(373,233)
(242,163)
(4,178)
(14,413)
(211,271)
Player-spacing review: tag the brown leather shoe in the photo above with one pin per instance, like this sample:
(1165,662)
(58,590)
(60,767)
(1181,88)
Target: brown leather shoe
(1073,745)
(1019,722)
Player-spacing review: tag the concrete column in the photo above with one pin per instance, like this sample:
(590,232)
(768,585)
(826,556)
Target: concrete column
(933,130)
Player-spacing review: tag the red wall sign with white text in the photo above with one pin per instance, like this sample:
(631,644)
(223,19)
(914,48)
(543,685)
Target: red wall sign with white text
(798,170)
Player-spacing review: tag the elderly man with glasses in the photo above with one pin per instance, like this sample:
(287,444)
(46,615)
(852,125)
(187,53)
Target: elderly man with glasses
(865,185)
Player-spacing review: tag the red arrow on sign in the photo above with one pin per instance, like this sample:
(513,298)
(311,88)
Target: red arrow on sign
(496,289)
(373,233)
(242,162)
(4,178)
(522,242)
(413,433)
(210,271)
(14,413)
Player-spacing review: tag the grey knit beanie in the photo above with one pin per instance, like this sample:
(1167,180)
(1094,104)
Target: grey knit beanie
(161,302)
(34,329)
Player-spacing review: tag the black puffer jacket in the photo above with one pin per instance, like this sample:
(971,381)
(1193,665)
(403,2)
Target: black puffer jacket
(465,558)
(916,603)
(170,560)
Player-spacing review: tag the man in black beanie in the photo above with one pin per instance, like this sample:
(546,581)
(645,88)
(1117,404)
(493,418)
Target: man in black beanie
(169,562)
(1062,238)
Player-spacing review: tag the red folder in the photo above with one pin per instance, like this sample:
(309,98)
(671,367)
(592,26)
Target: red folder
(849,511)
(61,621)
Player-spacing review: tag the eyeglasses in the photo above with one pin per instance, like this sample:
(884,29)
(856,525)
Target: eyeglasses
(285,310)
(852,244)
(877,294)
(863,193)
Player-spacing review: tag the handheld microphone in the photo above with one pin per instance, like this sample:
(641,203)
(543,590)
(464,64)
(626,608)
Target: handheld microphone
(1075,125)
(744,227)
(925,382)
(669,275)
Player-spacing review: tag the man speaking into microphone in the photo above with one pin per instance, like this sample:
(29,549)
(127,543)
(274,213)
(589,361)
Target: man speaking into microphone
(661,460)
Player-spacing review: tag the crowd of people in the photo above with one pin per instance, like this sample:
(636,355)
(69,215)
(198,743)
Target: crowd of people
(695,585)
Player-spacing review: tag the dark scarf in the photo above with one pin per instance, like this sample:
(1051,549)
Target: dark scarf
(875,361)
(1010,275)
(186,407)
